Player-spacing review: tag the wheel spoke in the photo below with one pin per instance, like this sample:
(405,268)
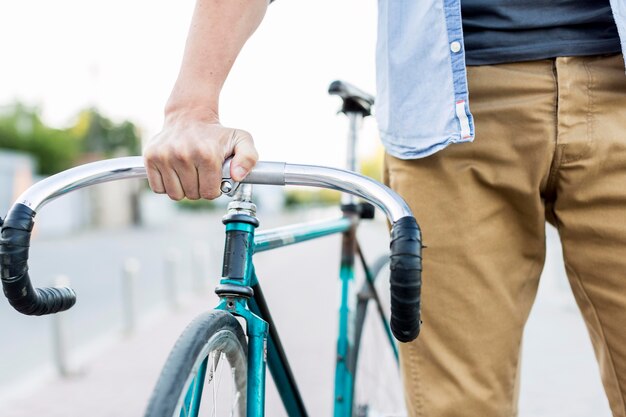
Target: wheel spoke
(235,395)
(213,364)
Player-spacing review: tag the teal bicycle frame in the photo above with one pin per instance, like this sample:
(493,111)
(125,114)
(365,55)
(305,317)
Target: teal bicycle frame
(241,295)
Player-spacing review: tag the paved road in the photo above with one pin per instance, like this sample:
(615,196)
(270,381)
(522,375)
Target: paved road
(559,375)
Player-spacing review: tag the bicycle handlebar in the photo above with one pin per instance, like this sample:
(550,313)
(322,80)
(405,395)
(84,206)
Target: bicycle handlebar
(405,280)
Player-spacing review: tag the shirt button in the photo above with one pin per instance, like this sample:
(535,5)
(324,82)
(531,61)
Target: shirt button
(455,46)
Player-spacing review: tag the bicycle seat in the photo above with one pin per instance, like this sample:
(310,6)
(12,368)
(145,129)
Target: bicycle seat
(354,99)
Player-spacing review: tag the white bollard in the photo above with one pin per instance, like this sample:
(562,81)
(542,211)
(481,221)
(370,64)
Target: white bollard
(59,334)
(130,274)
(172,276)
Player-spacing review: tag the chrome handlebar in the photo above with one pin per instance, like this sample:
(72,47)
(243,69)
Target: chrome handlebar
(270,173)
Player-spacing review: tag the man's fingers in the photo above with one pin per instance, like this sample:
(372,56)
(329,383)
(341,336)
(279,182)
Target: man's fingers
(173,187)
(188,177)
(209,178)
(245,156)
(154,177)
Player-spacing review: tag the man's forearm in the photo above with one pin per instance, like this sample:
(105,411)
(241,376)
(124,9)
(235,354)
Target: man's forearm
(185,159)
(218,31)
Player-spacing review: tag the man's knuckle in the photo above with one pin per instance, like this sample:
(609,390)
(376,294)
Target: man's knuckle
(161,156)
(211,167)
(208,151)
(249,154)
(180,155)
(151,155)
(210,192)
(210,158)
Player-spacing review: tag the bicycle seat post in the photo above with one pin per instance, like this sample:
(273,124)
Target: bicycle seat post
(355,119)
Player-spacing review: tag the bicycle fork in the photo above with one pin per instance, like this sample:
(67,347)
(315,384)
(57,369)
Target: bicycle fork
(235,289)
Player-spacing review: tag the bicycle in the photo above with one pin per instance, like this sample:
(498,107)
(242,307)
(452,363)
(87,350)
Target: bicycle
(216,339)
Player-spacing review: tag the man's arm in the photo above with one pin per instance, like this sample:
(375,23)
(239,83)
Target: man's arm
(185,158)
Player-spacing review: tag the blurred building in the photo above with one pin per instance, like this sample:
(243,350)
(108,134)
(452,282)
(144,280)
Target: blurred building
(110,205)
(16,174)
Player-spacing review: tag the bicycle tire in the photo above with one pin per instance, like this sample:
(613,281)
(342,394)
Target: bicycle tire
(218,338)
(377,389)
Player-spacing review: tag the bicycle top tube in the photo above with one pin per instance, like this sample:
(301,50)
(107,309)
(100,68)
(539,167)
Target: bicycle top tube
(270,173)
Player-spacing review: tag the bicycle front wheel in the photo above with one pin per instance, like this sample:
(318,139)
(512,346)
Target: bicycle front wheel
(206,371)
(378,388)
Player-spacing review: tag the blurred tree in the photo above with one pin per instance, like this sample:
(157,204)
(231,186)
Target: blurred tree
(311,198)
(21,128)
(371,166)
(100,135)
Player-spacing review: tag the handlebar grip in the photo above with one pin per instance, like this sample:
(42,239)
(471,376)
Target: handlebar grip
(14,246)
(406,278)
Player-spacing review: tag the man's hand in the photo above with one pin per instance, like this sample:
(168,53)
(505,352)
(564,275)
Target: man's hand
(185,159)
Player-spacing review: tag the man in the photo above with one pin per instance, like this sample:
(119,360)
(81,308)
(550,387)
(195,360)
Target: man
(549,99)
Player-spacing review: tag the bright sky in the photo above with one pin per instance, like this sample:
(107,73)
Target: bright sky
(123,57)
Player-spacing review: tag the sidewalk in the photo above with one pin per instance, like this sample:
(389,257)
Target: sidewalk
(117,382)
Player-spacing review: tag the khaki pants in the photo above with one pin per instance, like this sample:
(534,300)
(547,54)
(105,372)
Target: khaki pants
(550,145)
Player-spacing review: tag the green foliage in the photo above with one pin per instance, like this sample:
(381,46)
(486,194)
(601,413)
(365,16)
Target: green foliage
(195,205)
(100,135)
(371,166)
(22,129)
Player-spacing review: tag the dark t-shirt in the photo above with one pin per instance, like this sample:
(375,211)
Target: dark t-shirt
(498,31)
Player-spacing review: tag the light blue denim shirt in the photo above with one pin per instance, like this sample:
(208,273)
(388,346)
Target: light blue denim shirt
(422,102)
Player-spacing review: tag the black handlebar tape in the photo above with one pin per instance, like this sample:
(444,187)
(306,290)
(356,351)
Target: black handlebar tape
(405,279)
(14,245)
